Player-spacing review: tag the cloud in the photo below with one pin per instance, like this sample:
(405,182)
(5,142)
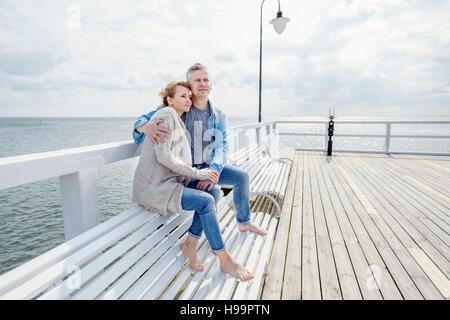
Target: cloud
(390,55)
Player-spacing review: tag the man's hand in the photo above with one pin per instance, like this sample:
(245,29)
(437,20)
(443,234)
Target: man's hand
(152,130)
(205,185)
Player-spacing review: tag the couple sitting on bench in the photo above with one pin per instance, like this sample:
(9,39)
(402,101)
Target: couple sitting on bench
(182,171)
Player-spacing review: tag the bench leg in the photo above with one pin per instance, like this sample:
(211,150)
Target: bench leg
(275,202)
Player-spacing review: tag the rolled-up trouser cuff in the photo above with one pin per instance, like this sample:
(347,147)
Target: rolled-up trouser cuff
(243,223)
(194,235)
(219,250)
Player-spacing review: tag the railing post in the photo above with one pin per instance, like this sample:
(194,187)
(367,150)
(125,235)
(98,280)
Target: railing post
(258,136)
(79,198)
(388,137)
(268,138)
(241,139)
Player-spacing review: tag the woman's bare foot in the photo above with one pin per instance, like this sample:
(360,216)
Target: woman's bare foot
(189,248)
(230,266)
(252,228)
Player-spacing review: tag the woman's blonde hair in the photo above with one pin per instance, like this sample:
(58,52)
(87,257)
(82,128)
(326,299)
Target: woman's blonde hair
(171,89)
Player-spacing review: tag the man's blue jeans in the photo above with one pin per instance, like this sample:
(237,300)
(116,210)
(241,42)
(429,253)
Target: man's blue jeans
(230,175)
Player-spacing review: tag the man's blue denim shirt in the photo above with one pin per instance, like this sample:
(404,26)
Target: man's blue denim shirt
(217,156)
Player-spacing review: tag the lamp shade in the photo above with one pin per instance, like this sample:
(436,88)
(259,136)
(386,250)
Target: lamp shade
(279,23)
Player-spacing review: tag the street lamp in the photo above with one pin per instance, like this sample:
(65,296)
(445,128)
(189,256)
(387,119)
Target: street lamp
(279,24)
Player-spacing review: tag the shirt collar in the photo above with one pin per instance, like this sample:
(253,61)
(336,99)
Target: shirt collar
(212,111)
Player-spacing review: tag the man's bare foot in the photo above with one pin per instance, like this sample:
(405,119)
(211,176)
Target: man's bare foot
(237,270)
(190,251)
(252,228)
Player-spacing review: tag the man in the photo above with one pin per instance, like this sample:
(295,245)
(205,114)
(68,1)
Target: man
(206,126)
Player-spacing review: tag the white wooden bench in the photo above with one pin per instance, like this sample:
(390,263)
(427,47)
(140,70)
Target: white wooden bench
(136,255)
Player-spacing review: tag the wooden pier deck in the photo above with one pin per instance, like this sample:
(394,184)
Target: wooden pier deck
(363,226)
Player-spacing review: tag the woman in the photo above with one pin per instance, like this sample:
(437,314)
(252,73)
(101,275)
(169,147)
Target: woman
(162,177)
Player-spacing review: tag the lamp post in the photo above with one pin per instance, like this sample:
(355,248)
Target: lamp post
(279,24)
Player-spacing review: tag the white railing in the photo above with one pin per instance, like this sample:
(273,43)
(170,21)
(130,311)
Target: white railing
(387,136)
(77,168)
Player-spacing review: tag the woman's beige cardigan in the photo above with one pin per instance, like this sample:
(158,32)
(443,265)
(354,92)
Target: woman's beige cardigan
(165,168)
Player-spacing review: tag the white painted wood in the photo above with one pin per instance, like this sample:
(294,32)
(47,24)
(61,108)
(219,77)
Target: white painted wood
(254,286)
(98,285)
(19,275)
(252,260)
(212,271)
(209,263)
(118,288)
(96,271)
(203,250)
(18,170)
(230,282)
(97,265)
(216,283)
(79,199)
(38,283)
(159,269)
(177,264)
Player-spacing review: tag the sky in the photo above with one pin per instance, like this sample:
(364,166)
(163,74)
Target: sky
(111,58)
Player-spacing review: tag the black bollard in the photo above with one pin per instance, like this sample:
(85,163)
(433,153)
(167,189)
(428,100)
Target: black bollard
(330,135)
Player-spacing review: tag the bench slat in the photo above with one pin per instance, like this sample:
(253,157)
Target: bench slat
(136,254)
(217,277)
(158,285)
(230,282)
(208,263)
(26,271)
(40,282)
(252,260)
(203,248)
(94,267)
(256,284)
(95,287)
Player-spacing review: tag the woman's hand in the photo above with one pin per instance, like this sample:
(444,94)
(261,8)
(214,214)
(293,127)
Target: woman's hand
(213,176)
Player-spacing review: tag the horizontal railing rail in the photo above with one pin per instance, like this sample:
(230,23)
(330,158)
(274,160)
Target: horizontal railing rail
(387,136)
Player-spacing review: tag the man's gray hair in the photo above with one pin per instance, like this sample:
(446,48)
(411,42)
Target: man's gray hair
(195,67)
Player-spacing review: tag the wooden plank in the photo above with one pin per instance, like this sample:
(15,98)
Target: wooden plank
(439,183)
(123,284)
(377,274)
(274,280)
(347,279)
(40,282)
(420,183)
(230,282)
(421,222)
(433,272)
(341,204)
(210,263)
(366,210)
(252,260)
(397,238)
(310,265)
(292,284)
(398,213)
(31,268)
(327,267)
(421,200)
(255,285)
(97,265)
(203,251)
